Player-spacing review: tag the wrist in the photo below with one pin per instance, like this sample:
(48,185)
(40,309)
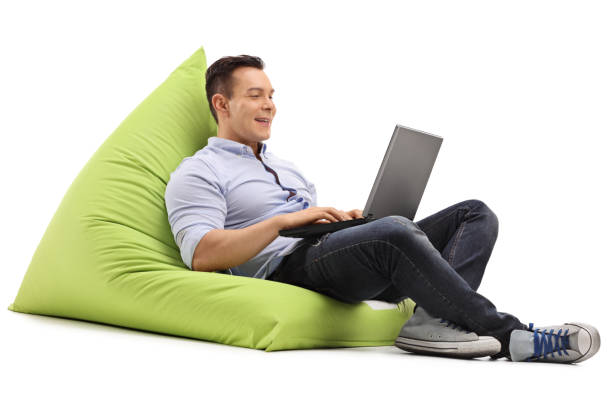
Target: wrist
(278,223)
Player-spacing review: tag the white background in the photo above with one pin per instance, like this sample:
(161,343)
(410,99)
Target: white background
(520,91)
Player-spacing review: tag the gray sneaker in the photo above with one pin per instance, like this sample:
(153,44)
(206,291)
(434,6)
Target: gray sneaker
(567,343)
(425,334)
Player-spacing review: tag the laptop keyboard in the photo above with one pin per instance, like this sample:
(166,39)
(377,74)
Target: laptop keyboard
(320,229)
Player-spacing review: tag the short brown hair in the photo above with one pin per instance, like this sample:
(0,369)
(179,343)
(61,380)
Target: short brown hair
(219,76)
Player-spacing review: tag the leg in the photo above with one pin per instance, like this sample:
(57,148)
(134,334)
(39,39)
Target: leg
(359,263)
(465,234)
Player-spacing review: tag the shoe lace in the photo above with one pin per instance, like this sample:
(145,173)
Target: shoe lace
(453,325)
(545,344)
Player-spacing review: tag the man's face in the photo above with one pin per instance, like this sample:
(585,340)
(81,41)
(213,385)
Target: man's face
(251,100)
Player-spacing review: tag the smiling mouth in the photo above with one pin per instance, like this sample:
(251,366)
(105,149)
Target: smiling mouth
(263,123)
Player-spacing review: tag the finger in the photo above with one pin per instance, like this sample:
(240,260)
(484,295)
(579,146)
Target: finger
(354,213)
(347,216)
(357,213)
(335,214)
(342,215)
(330,216)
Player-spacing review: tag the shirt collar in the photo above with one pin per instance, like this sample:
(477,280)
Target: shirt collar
(235,147)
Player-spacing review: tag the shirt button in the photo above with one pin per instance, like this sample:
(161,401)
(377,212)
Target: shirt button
(305,205)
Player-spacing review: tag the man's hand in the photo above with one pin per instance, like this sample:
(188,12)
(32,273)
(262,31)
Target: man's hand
(350,215)
(315,215)
(355,213)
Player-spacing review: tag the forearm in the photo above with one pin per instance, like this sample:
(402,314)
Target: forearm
(222,249)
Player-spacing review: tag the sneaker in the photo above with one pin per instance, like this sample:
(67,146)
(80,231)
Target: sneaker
(568,343)
(425,334)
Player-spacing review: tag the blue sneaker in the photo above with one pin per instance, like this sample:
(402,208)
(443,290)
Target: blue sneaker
(568,343)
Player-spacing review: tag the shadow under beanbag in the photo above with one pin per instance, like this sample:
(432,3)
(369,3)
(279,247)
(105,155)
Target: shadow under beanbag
(109,256)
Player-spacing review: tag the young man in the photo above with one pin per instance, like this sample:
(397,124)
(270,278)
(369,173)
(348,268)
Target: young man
(227,203)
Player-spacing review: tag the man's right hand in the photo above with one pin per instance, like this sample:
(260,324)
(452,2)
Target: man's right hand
(312,215)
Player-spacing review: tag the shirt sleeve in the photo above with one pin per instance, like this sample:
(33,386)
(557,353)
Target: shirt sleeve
(196,204)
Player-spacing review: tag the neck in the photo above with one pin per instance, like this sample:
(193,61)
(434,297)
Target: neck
(225,133)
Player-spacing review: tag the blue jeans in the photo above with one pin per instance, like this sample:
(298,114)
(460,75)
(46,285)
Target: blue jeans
(437,262)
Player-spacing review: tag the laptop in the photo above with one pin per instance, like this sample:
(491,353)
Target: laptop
(398,187)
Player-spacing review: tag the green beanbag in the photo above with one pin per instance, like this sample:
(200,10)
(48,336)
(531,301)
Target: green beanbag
(109,256)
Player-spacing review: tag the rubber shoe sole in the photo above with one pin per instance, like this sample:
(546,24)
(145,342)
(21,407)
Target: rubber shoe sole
(484,346)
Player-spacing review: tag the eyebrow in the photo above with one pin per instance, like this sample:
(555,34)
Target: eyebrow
(258,89)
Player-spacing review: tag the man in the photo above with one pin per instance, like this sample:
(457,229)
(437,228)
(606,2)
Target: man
(227,203)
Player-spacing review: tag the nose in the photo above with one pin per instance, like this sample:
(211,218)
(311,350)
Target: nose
(269,104)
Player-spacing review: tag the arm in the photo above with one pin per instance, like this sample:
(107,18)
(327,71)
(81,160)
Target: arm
(221,249)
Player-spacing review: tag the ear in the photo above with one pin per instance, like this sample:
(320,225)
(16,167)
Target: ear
(219,103)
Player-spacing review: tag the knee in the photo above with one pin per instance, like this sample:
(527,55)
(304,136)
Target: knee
(398,222)
(482,208)
(398,229)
